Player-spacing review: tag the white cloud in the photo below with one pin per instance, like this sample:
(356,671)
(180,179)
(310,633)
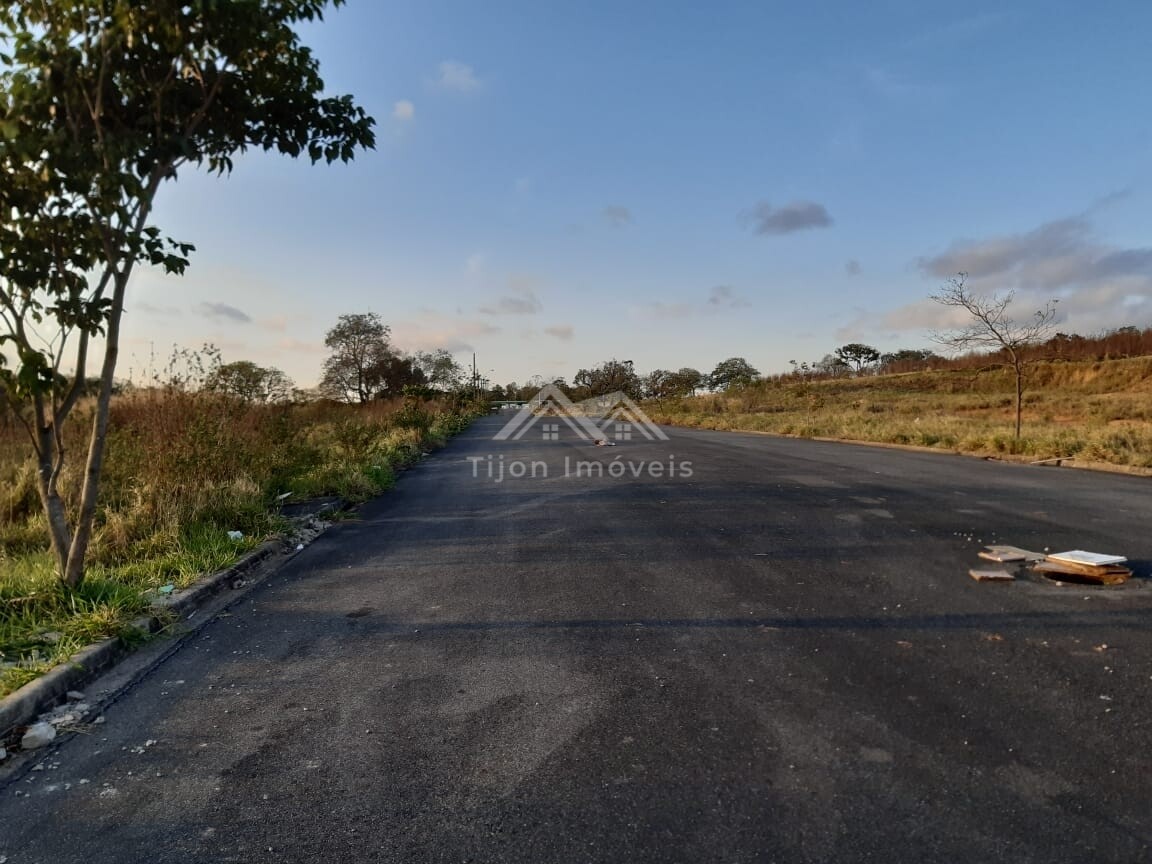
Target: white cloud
(720,297)
(726,297)
(435,330)
(403,111)
(521,299)
(457,76)
(1100,286)
(617,216)
(563,332)
(275,323)
(660,311)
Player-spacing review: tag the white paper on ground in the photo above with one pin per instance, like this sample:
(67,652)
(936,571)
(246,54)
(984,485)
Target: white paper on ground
(1079,556)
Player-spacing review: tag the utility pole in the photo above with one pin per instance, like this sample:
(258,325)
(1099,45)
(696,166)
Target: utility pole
(475,377)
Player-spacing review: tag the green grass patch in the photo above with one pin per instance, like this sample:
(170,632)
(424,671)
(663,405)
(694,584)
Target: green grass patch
(182,471)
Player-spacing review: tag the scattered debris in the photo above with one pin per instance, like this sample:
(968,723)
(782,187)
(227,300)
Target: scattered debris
(601,442)
(51,636)
(990,575)
(1082,574)
(75,696)
(235,535)
(1100,649)
(993,637)
(306,533)
(1008,554)
(1092,559)
(3,754)
(166,589)
(37,735)
(1075,567)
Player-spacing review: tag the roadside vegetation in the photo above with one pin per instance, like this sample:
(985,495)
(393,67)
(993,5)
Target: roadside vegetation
(1034,396)
(187,463)
(1090,410)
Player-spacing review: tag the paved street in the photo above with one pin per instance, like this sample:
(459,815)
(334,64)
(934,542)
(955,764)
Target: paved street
(774,655)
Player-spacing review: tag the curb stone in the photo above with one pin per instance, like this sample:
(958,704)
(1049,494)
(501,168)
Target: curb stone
(25,704)
(34,698)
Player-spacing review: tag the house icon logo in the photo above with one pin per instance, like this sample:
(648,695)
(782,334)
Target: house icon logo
(549,408)
(619,418)
(612,417)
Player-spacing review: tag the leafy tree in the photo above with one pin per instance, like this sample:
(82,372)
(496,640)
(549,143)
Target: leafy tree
(801,370)
(439,368)
(686,381)
(250,383)
(656,384)
(398,373)
(361,350)
(609,377)
(364,365)
(831,364)
(733,372)
(100,104)
(664,383)
(909,356)
(858,355)
(991,327)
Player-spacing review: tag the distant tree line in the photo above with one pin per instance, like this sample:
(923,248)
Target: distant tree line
(614,376)
(859,359)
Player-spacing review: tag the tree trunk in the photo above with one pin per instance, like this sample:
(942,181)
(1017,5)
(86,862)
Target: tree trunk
(1019,370)
(54,509)
(78,551)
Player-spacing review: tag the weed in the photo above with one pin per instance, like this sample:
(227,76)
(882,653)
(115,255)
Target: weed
(183,469)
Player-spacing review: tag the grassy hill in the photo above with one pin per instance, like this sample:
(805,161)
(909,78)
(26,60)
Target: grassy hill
(1091,411)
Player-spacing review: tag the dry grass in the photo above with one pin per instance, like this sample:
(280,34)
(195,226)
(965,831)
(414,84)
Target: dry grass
(183,469)
(1095,411)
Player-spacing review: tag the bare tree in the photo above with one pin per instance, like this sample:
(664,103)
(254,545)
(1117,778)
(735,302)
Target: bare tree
(991,327)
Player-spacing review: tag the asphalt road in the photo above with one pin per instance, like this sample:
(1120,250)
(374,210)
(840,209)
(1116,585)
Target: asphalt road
(780,657)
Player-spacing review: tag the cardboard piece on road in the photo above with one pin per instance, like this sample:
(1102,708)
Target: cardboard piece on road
(1093,559)
(1112,574)
(991,575)
(1004,554)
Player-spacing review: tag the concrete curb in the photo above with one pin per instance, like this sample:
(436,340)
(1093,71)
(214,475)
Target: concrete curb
(24,705)
(34,698)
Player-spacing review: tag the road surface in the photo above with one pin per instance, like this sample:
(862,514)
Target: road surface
(771,651)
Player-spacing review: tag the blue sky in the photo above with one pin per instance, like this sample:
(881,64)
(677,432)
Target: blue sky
(676,183)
